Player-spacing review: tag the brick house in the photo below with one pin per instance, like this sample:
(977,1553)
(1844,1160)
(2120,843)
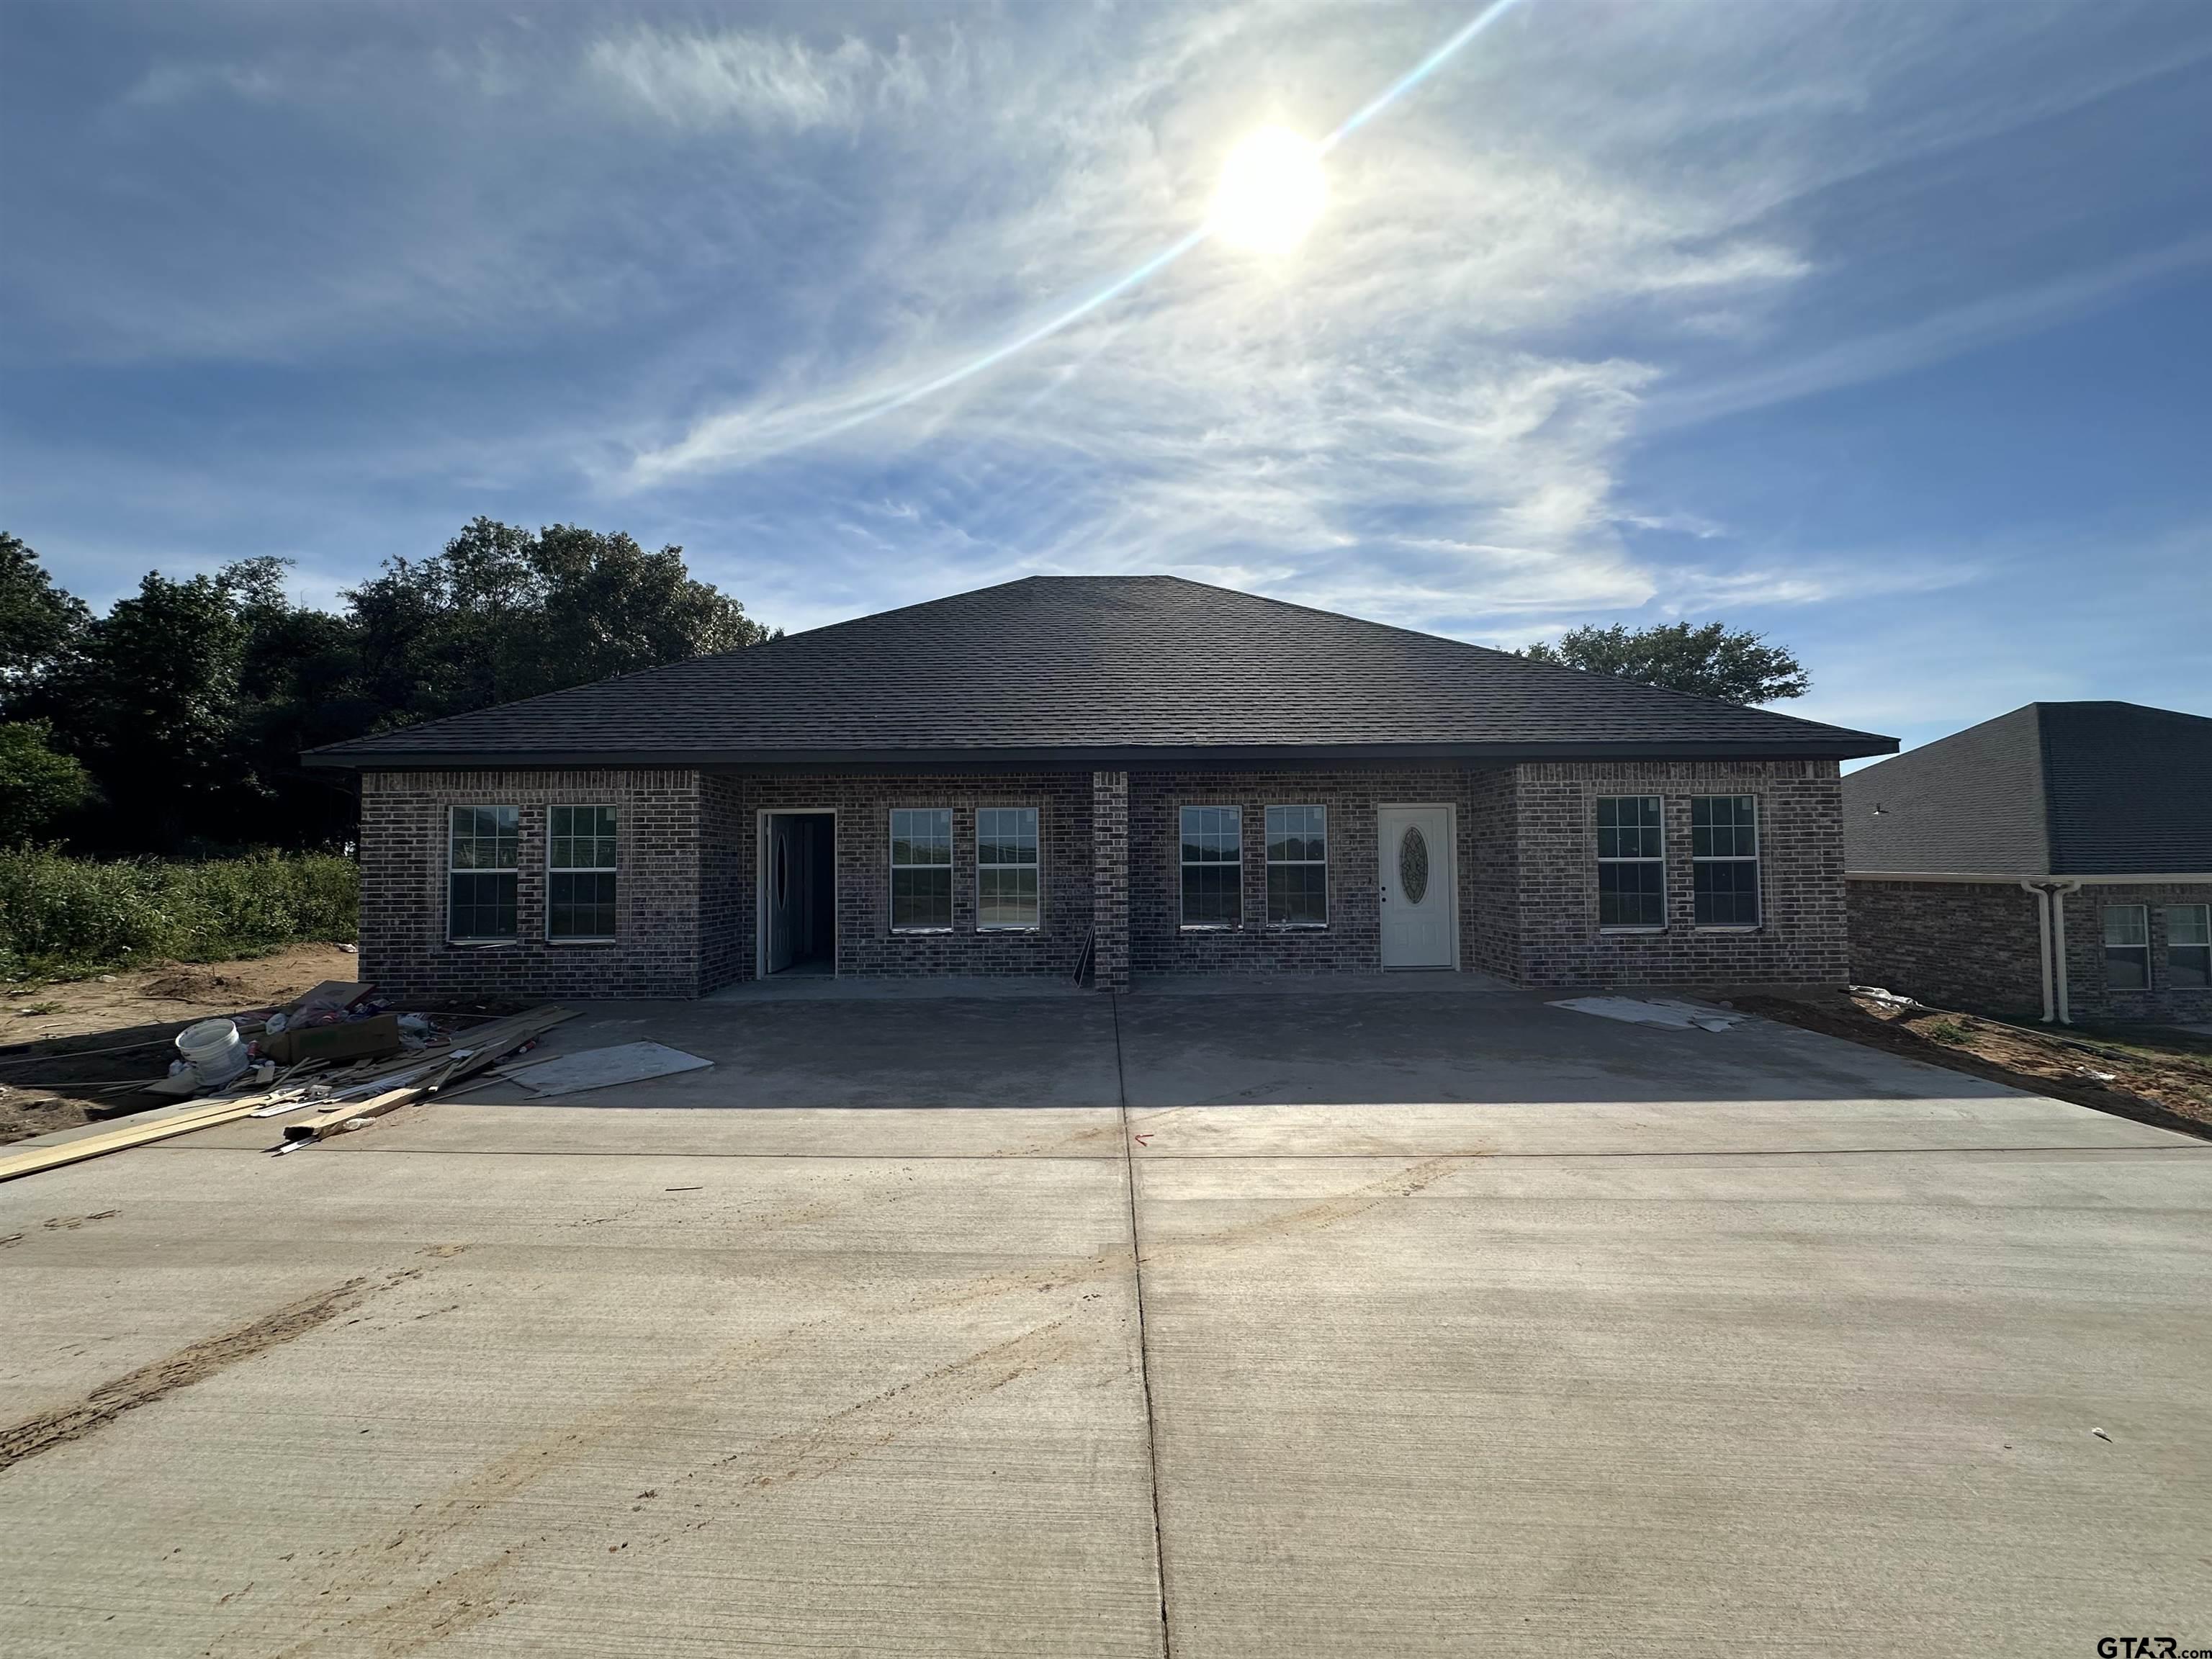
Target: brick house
(2055,860)
(1118,774)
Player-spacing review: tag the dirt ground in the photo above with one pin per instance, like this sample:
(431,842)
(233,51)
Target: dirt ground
(49,1030)
(2155,1074)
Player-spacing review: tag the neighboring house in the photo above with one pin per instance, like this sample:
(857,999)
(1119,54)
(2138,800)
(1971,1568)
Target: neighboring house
(1145,773)
(2056,860)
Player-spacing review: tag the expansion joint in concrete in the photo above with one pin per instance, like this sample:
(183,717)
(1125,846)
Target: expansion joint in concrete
(1143,1340)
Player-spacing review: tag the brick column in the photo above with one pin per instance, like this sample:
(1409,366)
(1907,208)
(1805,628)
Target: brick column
(1110,878)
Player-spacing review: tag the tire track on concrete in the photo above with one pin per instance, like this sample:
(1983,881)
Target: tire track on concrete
(408,1620)
(194,1363)
(462,1592)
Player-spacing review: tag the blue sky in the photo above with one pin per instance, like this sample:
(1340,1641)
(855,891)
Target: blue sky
(1881,329)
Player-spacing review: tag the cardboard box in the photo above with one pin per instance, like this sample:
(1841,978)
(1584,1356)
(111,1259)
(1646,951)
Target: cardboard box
(358,1039)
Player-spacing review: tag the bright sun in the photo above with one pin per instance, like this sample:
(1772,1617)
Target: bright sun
(1271,192)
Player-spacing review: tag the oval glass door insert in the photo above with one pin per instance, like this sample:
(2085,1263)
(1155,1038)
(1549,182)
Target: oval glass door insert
(1413,865)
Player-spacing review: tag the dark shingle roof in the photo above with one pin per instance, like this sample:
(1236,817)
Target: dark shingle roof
(2130,788)
(1973,801)
(2058,788)
(1147,667)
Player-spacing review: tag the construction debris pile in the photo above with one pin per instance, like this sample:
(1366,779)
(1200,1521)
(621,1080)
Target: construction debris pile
(335,1053)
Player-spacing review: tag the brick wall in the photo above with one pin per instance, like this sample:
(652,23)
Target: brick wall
(1524,863)
(1352,942)
(725,890)
(863,802)
(1492,830)
(1802,935)
(1977,946)
(2089,993)
(404,840)
(1958,944)
(1109,877)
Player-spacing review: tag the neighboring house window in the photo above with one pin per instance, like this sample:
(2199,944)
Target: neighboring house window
(1298,866)
(921,870)
(1212,867)
(480,871)
(1724,861)
(579,873)
(2127,947)
(2189,946)
(1006,867)
(1632,862)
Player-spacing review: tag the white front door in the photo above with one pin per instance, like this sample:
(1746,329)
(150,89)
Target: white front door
(1414,847)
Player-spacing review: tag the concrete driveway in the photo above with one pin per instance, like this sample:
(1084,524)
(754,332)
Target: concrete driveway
(1495,1328)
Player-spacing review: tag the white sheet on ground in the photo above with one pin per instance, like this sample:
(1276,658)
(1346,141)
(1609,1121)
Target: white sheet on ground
(1681,1015)
(600,1069)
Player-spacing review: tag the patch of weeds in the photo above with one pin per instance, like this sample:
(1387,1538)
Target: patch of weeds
(46,1007)
(1947,1030)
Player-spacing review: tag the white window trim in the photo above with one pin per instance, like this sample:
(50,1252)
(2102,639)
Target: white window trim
(2105,947)
(1036,863)
(1660,925)
(2206,909)
(950,864)
(1182,926)
(1268,861)
(1756,860)
(453,938)
(614,870)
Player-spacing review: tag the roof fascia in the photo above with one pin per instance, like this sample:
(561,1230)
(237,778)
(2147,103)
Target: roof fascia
(2130,878)
(1844,746)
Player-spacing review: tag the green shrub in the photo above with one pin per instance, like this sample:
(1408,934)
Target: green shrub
(37,784)
(61,916)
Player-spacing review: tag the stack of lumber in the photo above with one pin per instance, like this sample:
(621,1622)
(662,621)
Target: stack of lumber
(426,1072)
(348,1097)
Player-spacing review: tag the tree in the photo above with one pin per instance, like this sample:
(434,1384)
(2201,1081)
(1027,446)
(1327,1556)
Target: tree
(189,701)
(503,613)
(36,786)
(39,623)
(151,708)
(1707,660)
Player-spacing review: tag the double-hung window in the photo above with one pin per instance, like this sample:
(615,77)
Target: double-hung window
(1632,862)
(2127,947)
(1298,866)
(1212,867)
(482,857)
(921,870)
(1724,861)
(1006,868)
(2189,946)
(579,873)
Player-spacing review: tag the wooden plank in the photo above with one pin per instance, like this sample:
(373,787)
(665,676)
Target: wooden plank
(31,1160)
(324,1125)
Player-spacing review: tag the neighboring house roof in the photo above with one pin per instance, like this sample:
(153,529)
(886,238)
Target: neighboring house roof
(1141,668)
(2055,789)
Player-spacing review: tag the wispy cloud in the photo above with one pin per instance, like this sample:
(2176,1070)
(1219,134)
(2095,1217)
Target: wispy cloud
(179,82)
(747,278)
(1950,333)
(1368,406)
(704,79)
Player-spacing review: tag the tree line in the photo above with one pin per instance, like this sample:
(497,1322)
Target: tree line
(174,723)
